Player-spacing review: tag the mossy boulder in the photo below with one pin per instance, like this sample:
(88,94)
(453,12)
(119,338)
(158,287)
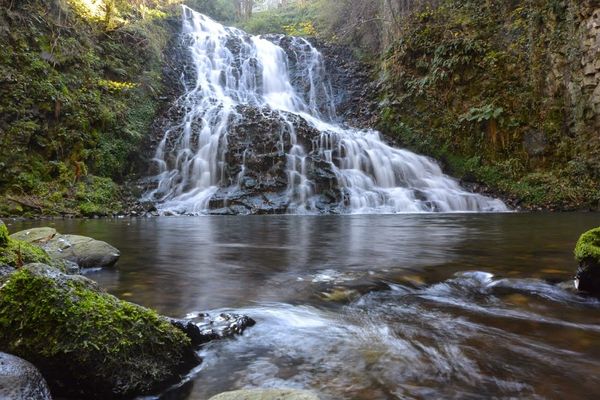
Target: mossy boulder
(587,253)
(87,343)
(16,252)
(84,251)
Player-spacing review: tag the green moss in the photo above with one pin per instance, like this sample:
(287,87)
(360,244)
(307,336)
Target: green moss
(588,246)
(17,253)
(77,99)
(468,84)
(4,236)
(69,327)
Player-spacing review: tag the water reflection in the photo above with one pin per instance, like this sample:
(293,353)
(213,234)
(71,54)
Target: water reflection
(372,307)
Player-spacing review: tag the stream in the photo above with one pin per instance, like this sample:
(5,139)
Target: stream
(408,306)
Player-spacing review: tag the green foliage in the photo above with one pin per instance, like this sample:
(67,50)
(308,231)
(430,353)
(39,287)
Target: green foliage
(588,246)
(78,95)
(220,10)
(111,347)
(295,20)
(471,83)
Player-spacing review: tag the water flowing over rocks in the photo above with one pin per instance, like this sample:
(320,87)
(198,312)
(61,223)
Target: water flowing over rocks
(20,380)
(258,131)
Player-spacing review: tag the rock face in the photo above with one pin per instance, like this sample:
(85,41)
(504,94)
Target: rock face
(20,380)
(587,253)
(266,394)
(87,343)
(256,165)
(84,251)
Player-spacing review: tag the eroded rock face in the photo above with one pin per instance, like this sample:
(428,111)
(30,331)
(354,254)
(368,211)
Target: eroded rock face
(87,343)
(20,380)
(256,160)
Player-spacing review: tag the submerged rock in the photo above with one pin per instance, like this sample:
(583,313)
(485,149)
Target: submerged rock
(267,394)
(587,253)
(87,343)
(20,380)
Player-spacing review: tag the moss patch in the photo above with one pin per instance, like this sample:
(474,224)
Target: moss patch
(17,253)
(588,246)
(86,342)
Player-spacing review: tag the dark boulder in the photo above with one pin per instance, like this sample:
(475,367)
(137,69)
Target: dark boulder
(204,328)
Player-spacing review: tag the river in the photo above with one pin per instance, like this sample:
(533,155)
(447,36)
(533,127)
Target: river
(370,306)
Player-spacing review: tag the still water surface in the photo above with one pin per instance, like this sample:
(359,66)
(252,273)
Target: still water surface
(370,307)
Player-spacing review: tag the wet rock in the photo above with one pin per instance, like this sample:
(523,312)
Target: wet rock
(35,235)
(84,251)
(267,394)
(587,253)
(204,328)
(87,343)
(20,380)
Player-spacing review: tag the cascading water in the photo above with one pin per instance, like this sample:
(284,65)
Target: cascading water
(234,70)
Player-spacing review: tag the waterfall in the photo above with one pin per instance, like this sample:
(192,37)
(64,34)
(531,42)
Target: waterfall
(233,70)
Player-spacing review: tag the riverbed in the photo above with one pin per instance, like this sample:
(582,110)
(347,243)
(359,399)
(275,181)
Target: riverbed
(467,306)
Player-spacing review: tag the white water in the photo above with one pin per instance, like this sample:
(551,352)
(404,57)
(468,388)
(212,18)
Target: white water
(375,177)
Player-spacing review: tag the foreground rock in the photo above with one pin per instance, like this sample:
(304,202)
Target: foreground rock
(267,394)
(587,253)
(82,250)
(87,343)
(20,380)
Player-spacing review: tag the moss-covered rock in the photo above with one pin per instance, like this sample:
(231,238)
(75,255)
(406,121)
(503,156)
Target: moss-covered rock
(17,253)
(587,253)
(588,246)
(87,343)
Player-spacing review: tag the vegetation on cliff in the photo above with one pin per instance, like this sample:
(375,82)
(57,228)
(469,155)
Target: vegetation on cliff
(80,82)
(501,93)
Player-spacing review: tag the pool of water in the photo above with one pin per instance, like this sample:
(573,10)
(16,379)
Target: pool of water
(465,306)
